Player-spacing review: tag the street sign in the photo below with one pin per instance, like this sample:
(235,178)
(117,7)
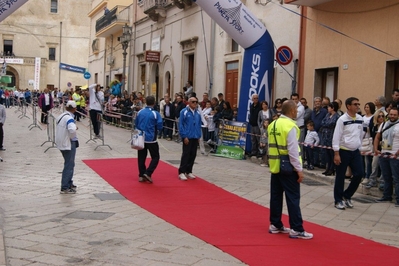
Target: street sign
(284,55)
(87,75)
(69,84)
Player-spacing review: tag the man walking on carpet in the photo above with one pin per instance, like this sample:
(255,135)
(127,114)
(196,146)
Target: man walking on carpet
(190,133)
(149,121)
(283,141)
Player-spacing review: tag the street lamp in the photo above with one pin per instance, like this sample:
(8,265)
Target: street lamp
(125,39)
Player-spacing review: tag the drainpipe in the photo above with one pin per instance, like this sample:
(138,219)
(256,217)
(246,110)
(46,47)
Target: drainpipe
(212,55)
(59,69)
(302,41)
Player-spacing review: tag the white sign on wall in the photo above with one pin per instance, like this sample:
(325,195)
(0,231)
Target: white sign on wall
(36,86)
(156,44)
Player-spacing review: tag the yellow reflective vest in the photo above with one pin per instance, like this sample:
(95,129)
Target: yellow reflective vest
(278,130)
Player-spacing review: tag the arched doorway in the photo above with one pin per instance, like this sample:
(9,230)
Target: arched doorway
(154,81)
(14,77)
(167,82)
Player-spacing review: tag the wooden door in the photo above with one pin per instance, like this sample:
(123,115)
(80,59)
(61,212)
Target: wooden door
(231,93)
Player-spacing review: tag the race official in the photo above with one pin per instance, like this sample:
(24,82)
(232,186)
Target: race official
(283,140)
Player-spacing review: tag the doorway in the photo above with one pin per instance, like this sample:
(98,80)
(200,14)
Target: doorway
(231,84)
(326,82)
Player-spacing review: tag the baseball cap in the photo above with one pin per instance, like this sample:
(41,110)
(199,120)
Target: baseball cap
(71,104)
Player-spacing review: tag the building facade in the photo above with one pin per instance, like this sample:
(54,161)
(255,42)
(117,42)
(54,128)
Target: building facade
(45,44)
(349,48)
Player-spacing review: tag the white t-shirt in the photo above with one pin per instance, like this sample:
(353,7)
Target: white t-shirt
(366,123)
(395,142)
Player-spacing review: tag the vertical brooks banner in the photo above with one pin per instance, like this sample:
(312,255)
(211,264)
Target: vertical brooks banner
(7,7)
(36,85)
(244,28)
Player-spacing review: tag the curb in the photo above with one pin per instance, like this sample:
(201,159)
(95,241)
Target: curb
(375,192)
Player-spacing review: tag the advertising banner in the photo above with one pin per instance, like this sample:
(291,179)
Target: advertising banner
(36,85)
(258,64)
(7,7)
(233,140)
(72,68)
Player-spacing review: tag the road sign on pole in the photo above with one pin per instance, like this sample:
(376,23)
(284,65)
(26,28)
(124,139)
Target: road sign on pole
(87,75)
(284,55)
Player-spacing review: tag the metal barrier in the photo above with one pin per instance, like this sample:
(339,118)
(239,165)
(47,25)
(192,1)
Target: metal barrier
(50,132)
(34,118)
(100,122)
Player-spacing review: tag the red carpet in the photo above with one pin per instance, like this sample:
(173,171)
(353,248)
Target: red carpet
(233,224)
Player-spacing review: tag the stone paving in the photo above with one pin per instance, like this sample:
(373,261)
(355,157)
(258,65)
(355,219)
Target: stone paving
(41,227)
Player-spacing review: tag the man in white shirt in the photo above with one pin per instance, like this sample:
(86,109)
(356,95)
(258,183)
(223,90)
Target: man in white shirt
(67,142)
(190,89)
(96,107)
(388,134)
(300,119)
(347,139)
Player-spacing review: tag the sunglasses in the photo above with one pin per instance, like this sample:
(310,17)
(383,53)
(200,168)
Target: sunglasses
(357,104)
(381,116)
(194,101)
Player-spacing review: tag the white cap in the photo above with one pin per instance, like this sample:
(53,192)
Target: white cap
(71,104)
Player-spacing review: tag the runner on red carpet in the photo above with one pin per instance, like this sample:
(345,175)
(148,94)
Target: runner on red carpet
(149,121)
(283,141)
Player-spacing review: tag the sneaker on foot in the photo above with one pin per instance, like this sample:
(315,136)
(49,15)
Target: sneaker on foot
(263,164)
(141,179)
(383,200)
(348,203)
(300,235)
(148,178)
(73,186)
(365,181)
(275,230)
(190,176)
(340,205)
(182,177)
(369,185)
(68,191)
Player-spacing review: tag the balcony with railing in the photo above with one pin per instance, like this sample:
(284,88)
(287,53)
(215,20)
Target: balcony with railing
(155,9)
(112,22)
(182,3)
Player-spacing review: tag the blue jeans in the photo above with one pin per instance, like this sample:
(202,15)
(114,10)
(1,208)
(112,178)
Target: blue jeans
(353,159)
(289,184)
(69,165)
(390,173)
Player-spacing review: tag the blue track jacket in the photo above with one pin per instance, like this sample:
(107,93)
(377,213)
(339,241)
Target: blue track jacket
(149,121)
(190,124)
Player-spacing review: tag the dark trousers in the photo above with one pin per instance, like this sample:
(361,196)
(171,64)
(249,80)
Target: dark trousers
(153,148)
(329,154)
(44,116)
(1,135)
(188,156)
(255,139)
(353,159)
(168,129)
(289,185)
(77,114)
(309,155)
(94,121)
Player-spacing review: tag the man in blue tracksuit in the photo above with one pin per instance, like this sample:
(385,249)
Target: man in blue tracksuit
(149,121)
(190,133)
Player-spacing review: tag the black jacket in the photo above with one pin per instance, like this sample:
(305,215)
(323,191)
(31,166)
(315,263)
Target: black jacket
(253,114)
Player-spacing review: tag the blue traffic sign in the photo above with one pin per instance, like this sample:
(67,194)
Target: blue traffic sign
(87,75)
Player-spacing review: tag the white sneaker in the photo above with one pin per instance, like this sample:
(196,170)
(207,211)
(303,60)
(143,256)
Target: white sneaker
(182,177)
(300,235)
(263,164)
(190,176)
(275,230)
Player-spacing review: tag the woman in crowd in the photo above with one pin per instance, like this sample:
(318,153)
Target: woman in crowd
(278,104)
(378,119)
(264,114)
(227,112)
(369,109)
(327,132)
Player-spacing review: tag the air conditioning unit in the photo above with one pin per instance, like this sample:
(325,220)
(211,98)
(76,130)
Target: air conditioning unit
(110,60)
